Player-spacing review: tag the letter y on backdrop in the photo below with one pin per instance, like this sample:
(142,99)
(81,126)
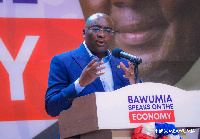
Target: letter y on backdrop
(15,68)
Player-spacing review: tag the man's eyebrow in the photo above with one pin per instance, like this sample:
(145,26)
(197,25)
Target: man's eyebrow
(96,26)
(101,26)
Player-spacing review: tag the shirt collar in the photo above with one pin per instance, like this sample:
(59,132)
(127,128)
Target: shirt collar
(105,59)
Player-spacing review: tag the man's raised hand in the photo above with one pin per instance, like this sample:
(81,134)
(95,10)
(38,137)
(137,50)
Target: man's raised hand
(90,72)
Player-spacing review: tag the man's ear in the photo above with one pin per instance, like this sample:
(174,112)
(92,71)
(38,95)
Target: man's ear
(83,33)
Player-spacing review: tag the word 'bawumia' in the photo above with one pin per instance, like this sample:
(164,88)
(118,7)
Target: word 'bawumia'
(150,99)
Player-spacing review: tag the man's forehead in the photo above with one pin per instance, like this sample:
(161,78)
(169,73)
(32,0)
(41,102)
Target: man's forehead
(99,20)
(94,17)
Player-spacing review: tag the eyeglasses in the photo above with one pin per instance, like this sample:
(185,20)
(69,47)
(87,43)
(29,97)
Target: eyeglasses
(98,30)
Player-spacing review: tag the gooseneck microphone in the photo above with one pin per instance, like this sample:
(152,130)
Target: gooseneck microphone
(119,53)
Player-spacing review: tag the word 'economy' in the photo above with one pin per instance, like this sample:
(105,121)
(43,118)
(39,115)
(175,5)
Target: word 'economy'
(150,99)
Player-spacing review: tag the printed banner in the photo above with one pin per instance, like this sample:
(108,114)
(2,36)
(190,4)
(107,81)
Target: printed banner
(152,108)
(26,48)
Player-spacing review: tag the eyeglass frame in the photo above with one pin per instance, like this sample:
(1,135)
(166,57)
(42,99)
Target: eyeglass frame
(100,29)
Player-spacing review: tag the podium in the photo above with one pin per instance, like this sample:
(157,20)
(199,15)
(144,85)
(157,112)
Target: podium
(106,115)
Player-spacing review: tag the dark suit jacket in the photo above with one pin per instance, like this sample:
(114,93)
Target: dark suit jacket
(65,69)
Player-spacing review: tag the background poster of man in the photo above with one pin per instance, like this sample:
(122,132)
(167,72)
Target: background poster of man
(165,34)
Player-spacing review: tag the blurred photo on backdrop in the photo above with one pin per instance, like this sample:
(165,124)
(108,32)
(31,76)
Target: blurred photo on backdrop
(164,33)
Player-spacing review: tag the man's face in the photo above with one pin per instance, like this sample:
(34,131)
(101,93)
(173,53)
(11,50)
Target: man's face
(164,33)
(97,35)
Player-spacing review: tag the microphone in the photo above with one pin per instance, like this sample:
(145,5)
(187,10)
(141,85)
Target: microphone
(119,53)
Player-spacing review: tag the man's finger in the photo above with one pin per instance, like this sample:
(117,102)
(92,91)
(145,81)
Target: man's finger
(95,65)
(131,66)
(99,69)
(92,62)
(99,74)
(123,66)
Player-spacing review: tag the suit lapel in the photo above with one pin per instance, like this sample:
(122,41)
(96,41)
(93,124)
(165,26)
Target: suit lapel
(115,71)
(118,73)
(82,58)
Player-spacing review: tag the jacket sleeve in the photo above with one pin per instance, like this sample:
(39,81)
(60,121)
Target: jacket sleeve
(60,93)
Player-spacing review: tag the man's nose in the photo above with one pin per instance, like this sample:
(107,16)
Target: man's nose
(101,33)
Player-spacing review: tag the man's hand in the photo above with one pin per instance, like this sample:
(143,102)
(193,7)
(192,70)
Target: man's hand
(129,72)
(89,73)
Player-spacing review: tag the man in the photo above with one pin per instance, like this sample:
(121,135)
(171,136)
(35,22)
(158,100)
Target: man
(164,33)
(88,69)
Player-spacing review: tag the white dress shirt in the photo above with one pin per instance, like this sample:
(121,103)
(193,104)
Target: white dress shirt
(106,78)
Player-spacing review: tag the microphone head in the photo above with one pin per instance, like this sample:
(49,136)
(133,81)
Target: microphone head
(116,52)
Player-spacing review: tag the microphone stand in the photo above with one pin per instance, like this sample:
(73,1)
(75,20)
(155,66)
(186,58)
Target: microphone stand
(137,80)
(135,62)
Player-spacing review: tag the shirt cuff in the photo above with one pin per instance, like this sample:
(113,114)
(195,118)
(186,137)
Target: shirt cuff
(78,86)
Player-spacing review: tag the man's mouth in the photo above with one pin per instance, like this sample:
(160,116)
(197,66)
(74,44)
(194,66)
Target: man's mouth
(138,34)
(137,38)
(101,42)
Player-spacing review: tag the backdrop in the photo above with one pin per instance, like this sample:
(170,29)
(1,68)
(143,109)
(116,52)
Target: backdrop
(31,33)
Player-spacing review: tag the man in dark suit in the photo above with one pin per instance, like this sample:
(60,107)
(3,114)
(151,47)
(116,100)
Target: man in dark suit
(87,69)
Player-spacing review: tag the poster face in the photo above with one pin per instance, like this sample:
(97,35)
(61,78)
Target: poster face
(165,34)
